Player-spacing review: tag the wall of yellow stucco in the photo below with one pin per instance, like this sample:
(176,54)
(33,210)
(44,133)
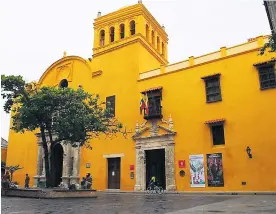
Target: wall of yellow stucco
(248,112)
(249,121)
(22,151)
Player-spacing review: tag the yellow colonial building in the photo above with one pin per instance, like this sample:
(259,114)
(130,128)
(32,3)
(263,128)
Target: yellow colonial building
(209,123)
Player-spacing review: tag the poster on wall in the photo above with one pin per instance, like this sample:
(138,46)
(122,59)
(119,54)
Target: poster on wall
(197,171)
(215,170)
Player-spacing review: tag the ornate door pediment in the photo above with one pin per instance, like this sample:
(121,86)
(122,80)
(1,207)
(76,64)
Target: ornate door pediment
(154,130)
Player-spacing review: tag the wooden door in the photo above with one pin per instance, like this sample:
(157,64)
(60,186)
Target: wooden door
(114,173)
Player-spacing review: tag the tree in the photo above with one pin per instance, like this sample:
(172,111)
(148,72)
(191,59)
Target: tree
(13,169)
(271,44)
(64,114)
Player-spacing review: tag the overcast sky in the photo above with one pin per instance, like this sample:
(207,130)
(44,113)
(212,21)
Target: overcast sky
(34,34)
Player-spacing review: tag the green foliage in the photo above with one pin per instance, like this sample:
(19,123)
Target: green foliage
(14,168)
(12,87)
(71,115)
(271,44)
(68,115)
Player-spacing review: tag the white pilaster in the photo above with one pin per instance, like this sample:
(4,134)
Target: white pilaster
(74,179)
(65,169)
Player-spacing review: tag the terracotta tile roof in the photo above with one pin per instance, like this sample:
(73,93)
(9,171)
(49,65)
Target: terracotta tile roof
(215,121)
(211,75)
(152,89)
(265,62)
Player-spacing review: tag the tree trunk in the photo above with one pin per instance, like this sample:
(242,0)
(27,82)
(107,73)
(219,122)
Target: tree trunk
(46,157)
(52,164)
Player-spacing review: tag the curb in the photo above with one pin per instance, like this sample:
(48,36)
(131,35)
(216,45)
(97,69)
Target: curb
(189,193)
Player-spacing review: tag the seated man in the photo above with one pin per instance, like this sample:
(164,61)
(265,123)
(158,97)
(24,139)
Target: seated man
(152,182)
(88,181)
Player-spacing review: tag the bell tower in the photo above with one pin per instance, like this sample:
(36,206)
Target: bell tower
(129,25)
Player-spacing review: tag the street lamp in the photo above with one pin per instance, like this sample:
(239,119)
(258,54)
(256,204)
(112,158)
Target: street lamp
(248,150)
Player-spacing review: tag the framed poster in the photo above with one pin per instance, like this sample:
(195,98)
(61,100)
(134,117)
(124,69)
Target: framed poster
(215,170)
(197,171)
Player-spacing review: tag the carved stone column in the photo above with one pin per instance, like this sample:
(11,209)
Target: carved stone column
(140,157)
(38,164)
(43,176)
(65,168)
(170,167)
(74,179)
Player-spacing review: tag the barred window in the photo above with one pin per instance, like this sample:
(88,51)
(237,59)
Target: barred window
(267,77)
(218,134)
(212,86)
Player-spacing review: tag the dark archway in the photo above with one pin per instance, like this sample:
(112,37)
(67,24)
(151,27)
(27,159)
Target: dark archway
(57,164)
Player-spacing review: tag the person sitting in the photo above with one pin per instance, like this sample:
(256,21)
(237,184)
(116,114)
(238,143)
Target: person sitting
(152,182)
(6,180)
(88,181)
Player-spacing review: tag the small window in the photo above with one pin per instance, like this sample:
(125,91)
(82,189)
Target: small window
(267,76)
(122,31)
(212,86)
(132,27)
(63,83)
(110,104)
(163,49)
(158,44)
(218,134)
(102,36)
(147,32)
(112,31)
(152,38)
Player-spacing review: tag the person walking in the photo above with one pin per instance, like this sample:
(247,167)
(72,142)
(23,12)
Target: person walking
(27,181)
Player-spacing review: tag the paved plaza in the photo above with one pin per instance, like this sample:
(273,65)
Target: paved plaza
(144,204)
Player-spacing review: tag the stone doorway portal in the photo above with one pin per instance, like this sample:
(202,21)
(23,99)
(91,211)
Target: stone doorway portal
(154,137)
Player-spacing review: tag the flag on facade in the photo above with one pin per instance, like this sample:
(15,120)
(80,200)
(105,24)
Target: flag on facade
(146,104)
(142,104)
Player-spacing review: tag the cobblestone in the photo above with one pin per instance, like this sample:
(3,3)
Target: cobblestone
(132,203)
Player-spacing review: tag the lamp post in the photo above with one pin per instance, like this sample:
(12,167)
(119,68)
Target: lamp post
(248,150)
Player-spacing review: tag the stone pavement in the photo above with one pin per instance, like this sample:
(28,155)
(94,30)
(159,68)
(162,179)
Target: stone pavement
(144,204)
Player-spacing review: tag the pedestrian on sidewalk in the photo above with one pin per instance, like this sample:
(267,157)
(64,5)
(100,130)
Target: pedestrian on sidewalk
(27,181)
